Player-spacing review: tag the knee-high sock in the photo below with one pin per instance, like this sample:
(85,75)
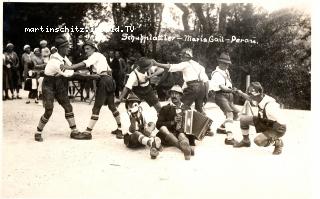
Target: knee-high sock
(71,121)
(42,122)
(228,124)
(92,122)
(116,116)
(144,140)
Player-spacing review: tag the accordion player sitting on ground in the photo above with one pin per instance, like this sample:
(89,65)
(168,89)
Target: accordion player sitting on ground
(140,132)
(269,122)
(170,124)
(196,81)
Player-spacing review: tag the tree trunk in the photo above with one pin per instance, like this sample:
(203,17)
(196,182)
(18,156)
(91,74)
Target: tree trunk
(185,15)
(202,19)
(222,19)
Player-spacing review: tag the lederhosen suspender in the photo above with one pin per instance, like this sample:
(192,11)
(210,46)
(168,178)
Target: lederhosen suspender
(139,83)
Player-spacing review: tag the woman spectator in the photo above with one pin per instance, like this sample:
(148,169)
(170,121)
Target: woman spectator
(12,62)
(39,66)
(26,61)
(6,78)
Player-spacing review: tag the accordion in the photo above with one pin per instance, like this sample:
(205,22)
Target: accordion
(196,124)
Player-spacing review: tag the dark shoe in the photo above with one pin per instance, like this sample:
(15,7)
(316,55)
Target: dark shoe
(155,147)
(209,133)
(18,97)
(38,137)
(154,153)
(13,97)
(221,131)
(230,142)
(74,133)
(186,149)
(242,143)
(115,132)
(119,134)
(278,145)
(36,101)
(81,136)
(28,102)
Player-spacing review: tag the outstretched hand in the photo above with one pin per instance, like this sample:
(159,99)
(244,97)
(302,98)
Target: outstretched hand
(153,62)
(235,91)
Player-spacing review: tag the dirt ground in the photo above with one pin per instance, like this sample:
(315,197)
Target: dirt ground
(103,167)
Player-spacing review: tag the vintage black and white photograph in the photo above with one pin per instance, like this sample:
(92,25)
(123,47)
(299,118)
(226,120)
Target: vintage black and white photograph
(154,100)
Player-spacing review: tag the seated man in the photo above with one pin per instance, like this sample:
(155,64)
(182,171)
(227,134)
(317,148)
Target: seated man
(170,124)
(269,122)
(140,132)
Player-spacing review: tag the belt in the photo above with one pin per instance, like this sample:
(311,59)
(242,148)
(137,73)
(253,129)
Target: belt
(193,82)
(104,73)
(145,84)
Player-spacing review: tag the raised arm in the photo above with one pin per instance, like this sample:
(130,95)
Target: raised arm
(165,66)
(242,94)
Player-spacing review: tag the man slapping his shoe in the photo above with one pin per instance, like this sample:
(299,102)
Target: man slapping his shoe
(269,123)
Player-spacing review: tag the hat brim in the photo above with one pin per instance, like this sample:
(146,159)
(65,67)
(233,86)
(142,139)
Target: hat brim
(93,46)
(176,91)
(224,61)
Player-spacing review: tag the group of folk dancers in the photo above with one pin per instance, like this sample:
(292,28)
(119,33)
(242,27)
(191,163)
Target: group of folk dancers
(167,131)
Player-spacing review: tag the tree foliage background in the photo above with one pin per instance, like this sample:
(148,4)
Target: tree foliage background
(281,60)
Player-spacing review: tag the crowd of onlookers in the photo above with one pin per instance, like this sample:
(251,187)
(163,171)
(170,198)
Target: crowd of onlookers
(26,72)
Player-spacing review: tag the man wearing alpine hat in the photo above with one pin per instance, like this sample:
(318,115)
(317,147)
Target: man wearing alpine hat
(195,80)
(221,84)
(55,86)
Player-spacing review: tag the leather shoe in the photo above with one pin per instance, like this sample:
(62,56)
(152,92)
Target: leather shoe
(242,143)
(38,137)
(230,142)
(81,136)
(278,145)
(221,131)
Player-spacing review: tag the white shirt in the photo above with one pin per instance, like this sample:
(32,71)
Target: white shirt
(98,61)
(219,77)
(53,66)
(191,71)
(133,81)
(273,110)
